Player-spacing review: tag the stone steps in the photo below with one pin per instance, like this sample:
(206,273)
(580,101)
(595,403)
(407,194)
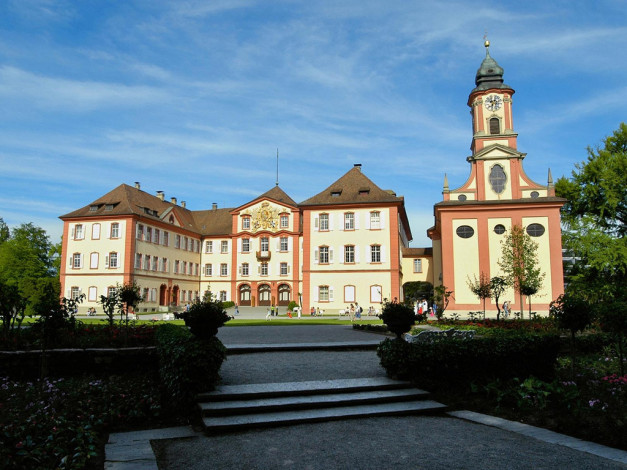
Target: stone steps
(234,407)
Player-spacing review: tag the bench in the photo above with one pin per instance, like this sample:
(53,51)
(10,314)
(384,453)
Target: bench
(430,336)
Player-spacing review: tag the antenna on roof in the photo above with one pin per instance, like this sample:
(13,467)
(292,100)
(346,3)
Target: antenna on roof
(277,166)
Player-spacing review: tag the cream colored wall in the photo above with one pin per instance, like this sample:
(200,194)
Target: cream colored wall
(263,214)
(276,258)
(216,258)
(361,238)
(426,275)
(466,256)
(215,286)
(544,295)
(362,281)
(437,262)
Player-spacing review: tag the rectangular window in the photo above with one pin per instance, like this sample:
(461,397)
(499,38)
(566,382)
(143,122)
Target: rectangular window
(349,254)
(76,260)
(283,243)
(185,246)
(375,294)
(285,221)
(184,268)
(245,223)
(323,293)
(245,269)
(283,269)
(324,222)
(145,294)
(147,262)
(113,260)
(93,261)
(92,294)
(196,269)
(155,263)
(209,247)
(375,220)
(222,296)
(265,244)
(224,246)
(245,245)
(349,221)
(208,270)
(349,293)
(140,232)
(264,269)
(78,232)
(177,241)
(95,232)
(164,265)
(148,234)
(115,230)
(417,265)
(176,266)
(324,255)
(166,238)
(223,269)
(156,235)
(375,253)
(112,291)
(75,292)
(138,261)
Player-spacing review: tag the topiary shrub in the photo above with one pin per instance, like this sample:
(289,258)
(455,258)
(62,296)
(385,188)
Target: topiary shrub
(204,317)
(399,318)
(187,366)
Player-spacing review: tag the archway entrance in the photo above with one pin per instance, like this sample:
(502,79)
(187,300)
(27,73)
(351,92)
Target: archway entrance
(284,294)
(264,294)
(175,295)
(244,295)
(163,295)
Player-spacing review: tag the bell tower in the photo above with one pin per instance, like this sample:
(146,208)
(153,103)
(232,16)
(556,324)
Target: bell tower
(491,107)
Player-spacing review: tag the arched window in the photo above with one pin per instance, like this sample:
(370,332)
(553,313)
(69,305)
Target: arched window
(495,126)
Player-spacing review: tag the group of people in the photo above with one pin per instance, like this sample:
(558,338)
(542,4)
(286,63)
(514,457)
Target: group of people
(422,308)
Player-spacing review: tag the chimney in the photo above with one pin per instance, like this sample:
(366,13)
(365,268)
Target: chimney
(173,200)
(137,185)
(214,206)
(183,204)
(358,166)
(160,195)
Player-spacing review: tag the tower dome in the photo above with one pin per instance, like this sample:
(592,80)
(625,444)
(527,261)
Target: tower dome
(490,73)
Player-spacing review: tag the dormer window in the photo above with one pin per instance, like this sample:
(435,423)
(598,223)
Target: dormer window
(498,178)
(336,193)
(495,125)
(364,191)
(109,207)
(93,208)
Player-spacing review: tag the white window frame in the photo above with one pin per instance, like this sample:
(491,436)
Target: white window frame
(349,221)
(224,246)
(284,244)
(224,269)
(115,230)
(323,224)
(284,221)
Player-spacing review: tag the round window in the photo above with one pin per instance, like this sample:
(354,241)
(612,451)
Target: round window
(461,197)
(535,230)
(499,229)
(465,231)
(534,194)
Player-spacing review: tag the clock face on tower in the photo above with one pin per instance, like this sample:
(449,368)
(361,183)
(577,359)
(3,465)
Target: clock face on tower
(493,102)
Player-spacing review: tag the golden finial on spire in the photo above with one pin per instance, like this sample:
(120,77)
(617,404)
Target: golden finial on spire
(486,43)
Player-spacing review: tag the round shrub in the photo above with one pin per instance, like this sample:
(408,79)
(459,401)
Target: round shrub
(398,317)
(204,317)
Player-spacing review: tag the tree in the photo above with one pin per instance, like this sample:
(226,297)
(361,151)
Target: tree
(498,286)
(398,317)
(481,287)
(12,306)
(129,296)
(442,297)
(4,231)
(519,261)
(594,220)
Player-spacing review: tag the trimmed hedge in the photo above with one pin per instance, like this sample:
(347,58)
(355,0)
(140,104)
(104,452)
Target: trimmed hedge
(452,361)
(187,365)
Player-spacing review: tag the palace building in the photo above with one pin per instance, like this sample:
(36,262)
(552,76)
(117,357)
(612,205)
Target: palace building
(348,243)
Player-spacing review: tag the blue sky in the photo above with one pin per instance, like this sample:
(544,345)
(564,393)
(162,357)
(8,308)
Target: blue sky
(194,97)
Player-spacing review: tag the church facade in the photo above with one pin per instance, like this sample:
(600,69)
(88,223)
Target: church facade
(348,243)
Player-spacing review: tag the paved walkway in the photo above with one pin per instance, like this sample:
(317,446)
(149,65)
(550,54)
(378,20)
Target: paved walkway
(461,440)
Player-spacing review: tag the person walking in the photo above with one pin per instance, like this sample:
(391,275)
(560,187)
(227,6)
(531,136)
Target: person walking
(358,311)
(236,310)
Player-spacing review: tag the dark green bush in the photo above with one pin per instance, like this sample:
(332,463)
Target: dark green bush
(187,365)
(228,304)
(398,317)
(204,317)
(453,361)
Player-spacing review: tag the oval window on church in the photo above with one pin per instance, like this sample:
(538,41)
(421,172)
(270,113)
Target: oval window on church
(465,231)
(499,229)
(498,178)
(535,230)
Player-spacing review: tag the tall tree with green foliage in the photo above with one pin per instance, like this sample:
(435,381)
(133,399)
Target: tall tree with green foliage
(498,286)
(4,231)
(594,220)
(519,262)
